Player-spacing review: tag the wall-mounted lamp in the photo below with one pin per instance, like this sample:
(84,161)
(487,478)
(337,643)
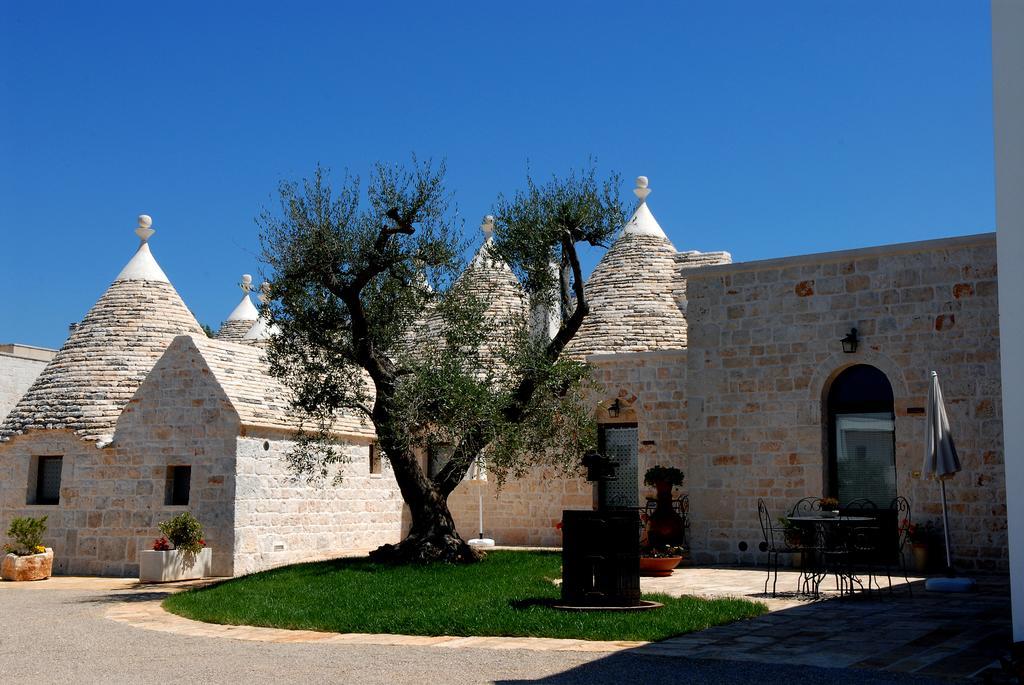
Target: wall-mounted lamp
(850,341)
(613,409)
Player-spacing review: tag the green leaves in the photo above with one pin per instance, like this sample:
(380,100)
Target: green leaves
(27,533)
(538,226)
(377,316)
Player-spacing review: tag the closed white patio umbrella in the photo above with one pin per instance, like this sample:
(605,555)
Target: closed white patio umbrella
(941,462)
(479,473)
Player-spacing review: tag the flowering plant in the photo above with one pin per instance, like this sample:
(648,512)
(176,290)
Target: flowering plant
(27,533)
(184,532)
(663,551)
(918,535)
(829,504)
(161,545)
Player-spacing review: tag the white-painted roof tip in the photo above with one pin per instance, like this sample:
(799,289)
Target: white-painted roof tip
(643,222)
(261,330)
(143,266)
(488,227)
(246,310)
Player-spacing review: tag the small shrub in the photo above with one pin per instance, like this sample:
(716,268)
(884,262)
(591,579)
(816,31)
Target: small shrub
(184,532)
(27,533)
(657,474)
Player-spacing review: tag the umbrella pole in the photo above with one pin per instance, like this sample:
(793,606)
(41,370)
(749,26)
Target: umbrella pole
(945,526)
(481,515)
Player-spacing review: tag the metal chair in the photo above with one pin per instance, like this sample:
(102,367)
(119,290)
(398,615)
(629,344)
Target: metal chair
(773,545)
(900,507)
(806,507)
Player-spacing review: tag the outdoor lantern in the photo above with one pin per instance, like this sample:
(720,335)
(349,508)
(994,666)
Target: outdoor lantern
(850,341)
(613,409)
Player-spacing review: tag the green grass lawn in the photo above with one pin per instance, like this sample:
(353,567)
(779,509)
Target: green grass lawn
(508,593)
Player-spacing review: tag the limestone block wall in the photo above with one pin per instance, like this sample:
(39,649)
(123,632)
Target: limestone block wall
(764,347)
(112,498)
(281,518)
(524,512)
(72,525)
(17,371)
(650,387)
(180,416)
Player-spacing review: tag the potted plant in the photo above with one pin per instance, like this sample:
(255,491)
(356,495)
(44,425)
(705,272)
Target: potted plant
(27,558)
(791,532)
(665,525)
(659,561)
(829,506)
(919,537)
(181,554)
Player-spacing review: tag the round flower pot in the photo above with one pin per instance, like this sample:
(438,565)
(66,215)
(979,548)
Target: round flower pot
(658,567)
(920,552)
(30,567)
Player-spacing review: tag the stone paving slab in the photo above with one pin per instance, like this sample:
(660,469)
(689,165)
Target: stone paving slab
(940,635)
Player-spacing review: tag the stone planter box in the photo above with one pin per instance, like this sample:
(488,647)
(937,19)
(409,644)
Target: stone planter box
(165,567)
(31,567)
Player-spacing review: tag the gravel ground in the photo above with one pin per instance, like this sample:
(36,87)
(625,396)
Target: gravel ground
(61,636)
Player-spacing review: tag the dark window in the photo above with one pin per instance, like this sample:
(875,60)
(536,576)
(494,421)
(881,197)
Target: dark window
(619,442)
(437,457)
(48,480)
(862,446)
(374,458)
(179,483)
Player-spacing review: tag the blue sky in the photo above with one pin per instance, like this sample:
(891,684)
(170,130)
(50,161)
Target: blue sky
(767,129)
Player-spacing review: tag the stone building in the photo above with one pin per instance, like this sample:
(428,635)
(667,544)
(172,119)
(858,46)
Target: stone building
(741,380)
(737,373)
(140,416)
(19,367)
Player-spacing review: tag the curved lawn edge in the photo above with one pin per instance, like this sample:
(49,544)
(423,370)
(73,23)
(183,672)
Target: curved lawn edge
(506,595)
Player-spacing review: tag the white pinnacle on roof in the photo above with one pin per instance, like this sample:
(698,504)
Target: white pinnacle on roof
(242,317)
(262,329)
(642,221)
(246,310)
(88,383)
(483,255)
(632,291)
(143,267)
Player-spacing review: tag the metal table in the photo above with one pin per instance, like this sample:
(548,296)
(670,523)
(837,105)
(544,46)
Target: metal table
(828,550)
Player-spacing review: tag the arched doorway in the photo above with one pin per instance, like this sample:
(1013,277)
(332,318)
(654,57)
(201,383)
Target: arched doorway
(862,445)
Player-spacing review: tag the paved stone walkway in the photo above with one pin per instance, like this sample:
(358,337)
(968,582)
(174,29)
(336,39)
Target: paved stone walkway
(929,635)
(926,633)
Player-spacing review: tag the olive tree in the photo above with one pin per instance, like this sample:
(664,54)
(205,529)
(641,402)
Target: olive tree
(375,315)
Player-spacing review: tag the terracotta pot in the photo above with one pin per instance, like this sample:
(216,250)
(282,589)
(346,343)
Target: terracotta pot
(920,552)
(658,566)
(31,567)
(665,526)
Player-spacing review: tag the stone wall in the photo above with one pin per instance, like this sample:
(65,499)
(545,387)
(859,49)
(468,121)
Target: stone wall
(650,387)
(112,499)
(281,518)
(71,527)
(764,347)
(19,366)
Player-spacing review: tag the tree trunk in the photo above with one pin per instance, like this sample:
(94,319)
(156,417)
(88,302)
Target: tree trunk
(432,536)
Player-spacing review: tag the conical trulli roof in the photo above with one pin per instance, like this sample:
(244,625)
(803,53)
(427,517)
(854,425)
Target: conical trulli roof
(632,305)
(242,317)
(107,356)
(490,280)
(261,329)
